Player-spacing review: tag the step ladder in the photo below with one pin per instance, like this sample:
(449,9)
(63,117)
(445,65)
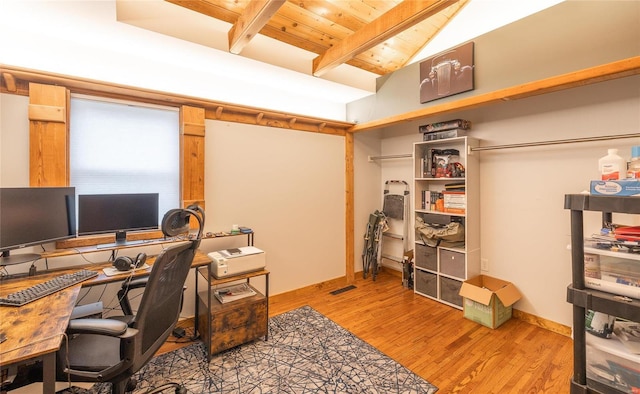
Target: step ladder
(395,241)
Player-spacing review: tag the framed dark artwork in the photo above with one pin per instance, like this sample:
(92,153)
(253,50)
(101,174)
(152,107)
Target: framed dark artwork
(447,73)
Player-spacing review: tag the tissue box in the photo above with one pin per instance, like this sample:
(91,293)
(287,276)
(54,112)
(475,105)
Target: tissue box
(620,187)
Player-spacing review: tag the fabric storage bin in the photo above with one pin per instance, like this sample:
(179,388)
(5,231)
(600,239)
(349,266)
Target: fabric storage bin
(425,257)
(426,283)
(449,291)
(452,263)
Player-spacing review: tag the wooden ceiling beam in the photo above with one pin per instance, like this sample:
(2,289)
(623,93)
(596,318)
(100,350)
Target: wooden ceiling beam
(250,22)
(394,21)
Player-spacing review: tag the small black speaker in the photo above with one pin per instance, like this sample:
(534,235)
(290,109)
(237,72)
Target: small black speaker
(125,263)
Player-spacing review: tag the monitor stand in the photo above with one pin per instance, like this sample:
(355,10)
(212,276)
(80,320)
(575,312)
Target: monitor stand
(121,240)
(21,258)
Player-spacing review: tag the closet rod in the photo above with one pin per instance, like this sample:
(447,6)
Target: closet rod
(557,142)
(403,156)
(523,145)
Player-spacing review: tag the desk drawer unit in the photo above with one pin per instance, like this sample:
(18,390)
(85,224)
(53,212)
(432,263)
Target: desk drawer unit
(233,323)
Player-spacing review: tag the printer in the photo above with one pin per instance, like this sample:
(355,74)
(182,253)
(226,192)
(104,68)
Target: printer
(236,261)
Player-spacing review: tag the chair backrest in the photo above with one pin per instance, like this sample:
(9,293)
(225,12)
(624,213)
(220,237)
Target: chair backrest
(159,308)
(160,305)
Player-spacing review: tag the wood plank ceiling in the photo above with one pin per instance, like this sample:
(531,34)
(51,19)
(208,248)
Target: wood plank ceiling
(379,36)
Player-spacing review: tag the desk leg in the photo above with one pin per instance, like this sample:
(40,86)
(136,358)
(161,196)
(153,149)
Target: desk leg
(266,287)
(49,373)
(197,308)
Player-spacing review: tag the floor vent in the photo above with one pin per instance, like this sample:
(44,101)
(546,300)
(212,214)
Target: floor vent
(336,292)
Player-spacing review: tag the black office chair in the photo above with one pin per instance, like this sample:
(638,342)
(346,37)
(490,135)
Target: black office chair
(110,350)
(173,223)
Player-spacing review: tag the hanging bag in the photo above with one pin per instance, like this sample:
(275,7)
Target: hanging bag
(434,235)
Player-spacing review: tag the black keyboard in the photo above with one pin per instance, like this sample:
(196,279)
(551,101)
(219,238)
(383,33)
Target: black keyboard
(43,289)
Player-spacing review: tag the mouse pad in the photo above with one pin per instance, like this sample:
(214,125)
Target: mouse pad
(113,271)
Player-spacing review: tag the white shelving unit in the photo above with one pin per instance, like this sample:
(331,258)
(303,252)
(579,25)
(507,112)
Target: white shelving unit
(439,272)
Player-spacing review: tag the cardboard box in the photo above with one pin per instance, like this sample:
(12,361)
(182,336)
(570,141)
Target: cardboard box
(620,187)
(488,300)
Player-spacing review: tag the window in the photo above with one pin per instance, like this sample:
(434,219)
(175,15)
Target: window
(118,147)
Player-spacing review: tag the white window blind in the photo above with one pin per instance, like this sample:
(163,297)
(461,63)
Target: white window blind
(117,147)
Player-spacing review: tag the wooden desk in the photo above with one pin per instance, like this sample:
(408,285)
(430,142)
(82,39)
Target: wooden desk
(35,330)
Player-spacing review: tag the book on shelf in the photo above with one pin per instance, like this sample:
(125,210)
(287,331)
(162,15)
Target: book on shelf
(233,293)
(455,186)
(428,199)
(453,124)
(455,202)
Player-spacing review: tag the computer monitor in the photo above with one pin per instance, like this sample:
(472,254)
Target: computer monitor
(117,213)
(34,216)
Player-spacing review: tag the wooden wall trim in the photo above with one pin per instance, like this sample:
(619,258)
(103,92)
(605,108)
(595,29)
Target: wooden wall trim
(349,208)
(15,80)
(48,135)
(48,113)
(192,132)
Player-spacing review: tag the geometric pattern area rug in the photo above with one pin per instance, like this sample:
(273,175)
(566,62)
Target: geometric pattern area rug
(306,353)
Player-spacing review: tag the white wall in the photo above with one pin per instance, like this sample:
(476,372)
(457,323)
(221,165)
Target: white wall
(367,192)
(524,227)
(14,144)
(288,186)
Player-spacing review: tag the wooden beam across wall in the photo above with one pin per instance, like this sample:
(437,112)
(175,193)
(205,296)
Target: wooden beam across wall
(618,69)
(16,80)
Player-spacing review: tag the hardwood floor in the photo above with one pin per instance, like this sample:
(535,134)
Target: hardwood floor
(437,343)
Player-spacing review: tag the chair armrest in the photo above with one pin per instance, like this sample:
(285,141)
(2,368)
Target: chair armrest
(108,327)
(135,283)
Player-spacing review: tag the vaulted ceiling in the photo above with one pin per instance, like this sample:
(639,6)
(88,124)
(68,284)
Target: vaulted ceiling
(377,36)
(374,36)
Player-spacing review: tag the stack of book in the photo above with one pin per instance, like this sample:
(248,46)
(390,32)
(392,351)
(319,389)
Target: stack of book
(429,199)
(455,202)
(441,130)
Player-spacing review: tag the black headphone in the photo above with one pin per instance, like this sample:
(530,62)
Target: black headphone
(176,221)
(125,263)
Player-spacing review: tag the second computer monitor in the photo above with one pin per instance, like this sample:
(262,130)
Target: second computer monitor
(117,213)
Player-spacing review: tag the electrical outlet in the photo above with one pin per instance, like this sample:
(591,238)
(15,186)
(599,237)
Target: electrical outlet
(484,264)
